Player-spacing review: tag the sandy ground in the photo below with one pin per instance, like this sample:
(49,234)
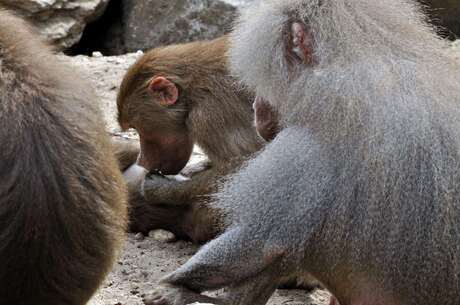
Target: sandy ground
(144,259)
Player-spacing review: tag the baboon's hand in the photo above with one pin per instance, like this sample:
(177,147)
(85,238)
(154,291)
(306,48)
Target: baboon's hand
(159,188)
(172,295)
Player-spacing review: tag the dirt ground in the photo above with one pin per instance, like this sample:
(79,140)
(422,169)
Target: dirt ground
(145,260)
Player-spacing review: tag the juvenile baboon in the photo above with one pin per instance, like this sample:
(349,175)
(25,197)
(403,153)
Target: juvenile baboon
(62,199)
(175,97)
(361,187)
(209,110)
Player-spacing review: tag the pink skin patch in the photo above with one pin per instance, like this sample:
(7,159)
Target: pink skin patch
(333,301)
(302,42)
(166,90)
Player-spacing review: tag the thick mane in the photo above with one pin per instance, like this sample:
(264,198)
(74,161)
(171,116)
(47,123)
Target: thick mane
(372,56)
(383,96)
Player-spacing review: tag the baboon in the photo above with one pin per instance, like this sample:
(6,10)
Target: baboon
(361,186)
(206,107)
(175,97)
(62,198)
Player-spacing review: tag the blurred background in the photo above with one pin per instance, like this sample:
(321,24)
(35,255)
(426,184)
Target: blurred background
(114,27)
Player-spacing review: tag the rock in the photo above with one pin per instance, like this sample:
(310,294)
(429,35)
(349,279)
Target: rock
(152,23)
(132,25)
(162,236)
(96,54)
(139,237)
(60,21)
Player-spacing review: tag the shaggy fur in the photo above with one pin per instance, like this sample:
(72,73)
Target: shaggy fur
(362,186)
(211,111)
(62,199)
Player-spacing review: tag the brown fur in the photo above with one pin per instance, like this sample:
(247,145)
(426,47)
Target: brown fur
(62,200)
(211,110)
(126,151)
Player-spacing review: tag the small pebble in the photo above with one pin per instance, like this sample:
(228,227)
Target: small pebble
(162,236)
(139,237)
(97,54)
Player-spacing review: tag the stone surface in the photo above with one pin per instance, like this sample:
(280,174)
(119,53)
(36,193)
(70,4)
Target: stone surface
(140,25)
(162,236)
(60,21)
(152,23)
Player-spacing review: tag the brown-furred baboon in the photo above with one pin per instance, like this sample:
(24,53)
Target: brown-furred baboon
(175,97)
(361,187)
(205,107)
(62,198)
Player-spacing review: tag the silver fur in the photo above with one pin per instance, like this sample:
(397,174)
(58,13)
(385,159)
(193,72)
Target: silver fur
(362,187)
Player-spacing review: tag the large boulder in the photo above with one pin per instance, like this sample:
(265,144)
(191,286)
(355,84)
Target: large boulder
(132,25)
(60,21)
(159,22)
(152,23)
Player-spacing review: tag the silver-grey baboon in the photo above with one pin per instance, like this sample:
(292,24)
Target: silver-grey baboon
(361,187)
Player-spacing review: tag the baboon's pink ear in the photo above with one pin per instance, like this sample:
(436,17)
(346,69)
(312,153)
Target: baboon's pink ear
(165,89)
(302,42)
